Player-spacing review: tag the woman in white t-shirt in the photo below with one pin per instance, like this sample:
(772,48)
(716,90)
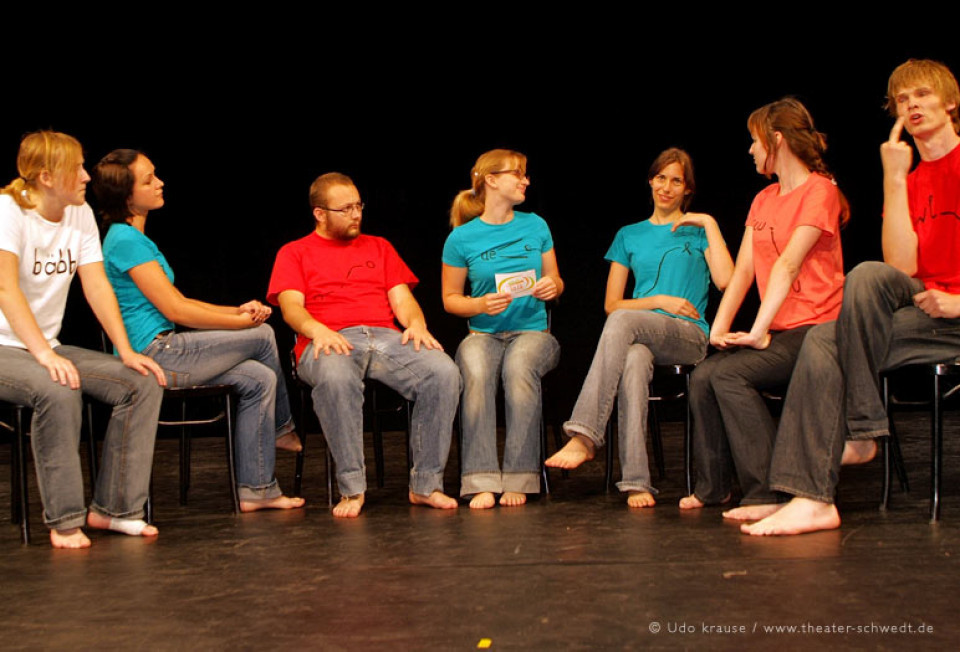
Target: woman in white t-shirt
(48,234)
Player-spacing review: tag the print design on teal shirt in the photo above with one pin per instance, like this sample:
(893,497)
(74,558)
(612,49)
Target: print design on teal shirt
(686,250)
(490,254)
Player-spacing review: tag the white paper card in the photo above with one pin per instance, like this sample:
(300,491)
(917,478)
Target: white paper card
(519,284)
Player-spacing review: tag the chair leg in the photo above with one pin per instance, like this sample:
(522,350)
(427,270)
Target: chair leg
(329,463)
(936,452)
(298,474)
(608,475)
(657,439)
(377,438)
(184,455)
(231,454)
(22,478)
(688,438)
(92,458)
(543,455)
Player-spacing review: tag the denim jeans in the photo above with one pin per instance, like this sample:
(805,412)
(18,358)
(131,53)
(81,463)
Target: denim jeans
(427,377)
(835,391)
(631,342)
(248,360)
(521,358)
(731,421)
(124,478)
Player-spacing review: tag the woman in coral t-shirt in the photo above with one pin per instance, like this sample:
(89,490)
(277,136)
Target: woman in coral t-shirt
(791,246)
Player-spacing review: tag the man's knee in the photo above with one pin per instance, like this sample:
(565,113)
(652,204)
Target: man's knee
(866,278)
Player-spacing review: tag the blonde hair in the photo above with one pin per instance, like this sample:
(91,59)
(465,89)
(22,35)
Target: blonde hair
(470,203)
(55,152)
(915,72)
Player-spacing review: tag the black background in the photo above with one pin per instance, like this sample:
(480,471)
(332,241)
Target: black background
(241,112)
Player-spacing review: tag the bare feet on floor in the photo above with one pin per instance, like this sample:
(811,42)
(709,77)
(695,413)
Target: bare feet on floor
(752,512)
(798,516)
(858,451)
(349,506)
(641,499)
(437,500)
(512,499)
(280,502)
(290,442)
(692,502)
(132,526)
(576,451)
(73,538)
(483,500)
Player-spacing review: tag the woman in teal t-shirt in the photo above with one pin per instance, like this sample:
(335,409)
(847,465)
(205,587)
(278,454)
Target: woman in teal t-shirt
(672,255)
(509,260)
(228,344)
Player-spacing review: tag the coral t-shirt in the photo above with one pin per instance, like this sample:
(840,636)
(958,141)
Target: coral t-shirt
(817,293)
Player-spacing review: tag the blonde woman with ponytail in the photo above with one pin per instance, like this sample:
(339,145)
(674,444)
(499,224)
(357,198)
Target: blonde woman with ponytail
(48,235)
(509,260)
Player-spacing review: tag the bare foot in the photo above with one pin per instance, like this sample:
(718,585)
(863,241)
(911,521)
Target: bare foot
(483,500)
(69,539)
(692,502)
(349,506)
(290,442)
(858,451)
(578,450)
(513,499)
(752,512)
(798,516)
(642,499)
(280,502)
(437,500)
(132,526)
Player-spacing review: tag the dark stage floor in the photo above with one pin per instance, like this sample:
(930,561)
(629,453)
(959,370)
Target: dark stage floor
(575,570)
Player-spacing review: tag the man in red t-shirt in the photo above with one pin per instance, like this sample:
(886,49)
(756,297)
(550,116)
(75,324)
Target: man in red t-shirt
(905,310)
(342,292)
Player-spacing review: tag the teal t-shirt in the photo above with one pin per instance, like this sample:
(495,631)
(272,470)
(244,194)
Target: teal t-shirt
(665,262)
(490,249)
(123,249)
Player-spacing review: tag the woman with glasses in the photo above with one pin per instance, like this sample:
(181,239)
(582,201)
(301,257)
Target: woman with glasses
(673,255)
(509,260)
(48,235)
(791,247)
(228,345)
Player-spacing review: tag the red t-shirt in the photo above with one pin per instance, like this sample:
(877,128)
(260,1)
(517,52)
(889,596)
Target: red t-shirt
(817,293)
(344,282)
(933,192)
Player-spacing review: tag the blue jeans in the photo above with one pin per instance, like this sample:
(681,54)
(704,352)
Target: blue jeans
(631,342)
(427,377)
(731,422)
(835,391)
(522,358)
(124,478)
(248,360)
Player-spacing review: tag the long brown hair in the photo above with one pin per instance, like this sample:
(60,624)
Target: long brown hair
(791,119)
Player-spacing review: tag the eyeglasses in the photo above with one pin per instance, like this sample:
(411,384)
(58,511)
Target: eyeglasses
(349,208)
(518,173)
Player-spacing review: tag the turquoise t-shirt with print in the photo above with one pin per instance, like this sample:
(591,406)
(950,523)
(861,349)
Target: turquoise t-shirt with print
(665,262)
(490,249)
(123,249)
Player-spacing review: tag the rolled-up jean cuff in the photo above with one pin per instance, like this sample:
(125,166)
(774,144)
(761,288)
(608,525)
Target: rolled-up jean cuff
(624,487)
(352,484)
(268,492)
(868,434)
(799,493)
(475,483)
(68,522)
(424,484)
(571,428)
(286,428)
(524,482)
(134,513)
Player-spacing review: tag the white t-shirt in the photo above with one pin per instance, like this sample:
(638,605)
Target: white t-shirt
(50,253)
